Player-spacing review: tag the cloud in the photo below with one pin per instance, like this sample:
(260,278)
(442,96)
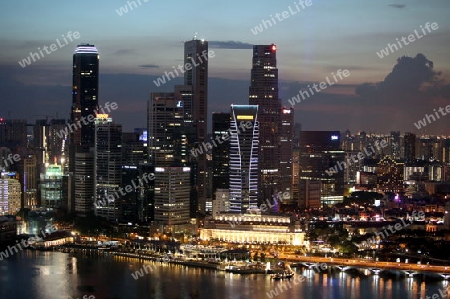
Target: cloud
(229,45)
(410,76)
(149,66)
(397,5)
(410,90)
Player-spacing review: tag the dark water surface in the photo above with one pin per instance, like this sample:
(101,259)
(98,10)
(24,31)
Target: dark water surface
(51,275)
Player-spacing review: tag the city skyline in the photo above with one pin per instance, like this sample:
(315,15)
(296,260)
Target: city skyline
(306,55)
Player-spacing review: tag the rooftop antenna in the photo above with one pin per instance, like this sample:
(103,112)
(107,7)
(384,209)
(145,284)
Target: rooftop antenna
(195,36)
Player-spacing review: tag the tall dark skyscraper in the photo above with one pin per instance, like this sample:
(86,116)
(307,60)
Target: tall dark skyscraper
(264,93)
(84,103)
(196,54)
(165,120)
(84,93)
(410,148)
(221,152)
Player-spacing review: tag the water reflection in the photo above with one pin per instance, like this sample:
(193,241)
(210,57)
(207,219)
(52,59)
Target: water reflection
(48,275)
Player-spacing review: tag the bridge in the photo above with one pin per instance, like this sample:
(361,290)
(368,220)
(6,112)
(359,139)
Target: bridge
(373,267)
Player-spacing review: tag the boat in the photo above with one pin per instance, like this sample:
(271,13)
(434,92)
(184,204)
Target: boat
(282,275)
(276,276)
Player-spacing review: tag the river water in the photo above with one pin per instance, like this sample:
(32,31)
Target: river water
(51,275)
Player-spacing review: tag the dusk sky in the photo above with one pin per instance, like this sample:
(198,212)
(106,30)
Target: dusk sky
(380,95)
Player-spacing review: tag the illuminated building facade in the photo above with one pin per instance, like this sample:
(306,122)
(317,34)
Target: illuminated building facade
(10,194)
(253,228)
(108,162)
(244,144)
(52,187)
(172,187)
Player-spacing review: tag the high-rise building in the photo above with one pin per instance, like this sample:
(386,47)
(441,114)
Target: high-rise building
(84,93)
(172,188)
(286,152)
(263,92)
(221,152)
(395,144)
(28,171)
(84,182)
(134,148)
(410,148)
(40,143)
(165,121)
(196,54)
(10,193)
(320,150)
(57,146)
(13,133)
(108,162)
(85,74)
(51,184)
(244,158)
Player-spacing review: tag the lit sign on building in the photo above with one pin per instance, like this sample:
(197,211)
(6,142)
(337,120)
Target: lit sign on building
(247,117)
(334,137)
(103,116)
(180,104)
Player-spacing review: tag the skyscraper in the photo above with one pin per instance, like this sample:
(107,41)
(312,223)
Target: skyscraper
(172,187)
(320,150)
(195,54)
(286,152)
(84,104)
(165,118)
(221,152)
(84,93)
(410,148)
(244,158)
(108,162)
(263,92)
(84,184)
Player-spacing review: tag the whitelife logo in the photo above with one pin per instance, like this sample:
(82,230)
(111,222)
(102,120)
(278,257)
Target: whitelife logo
(86,120)
(183,68)
(411,38)
(124,9)
(52,47)
(146,177)
(220,139)
(355,158)
(321,85)
(422,123)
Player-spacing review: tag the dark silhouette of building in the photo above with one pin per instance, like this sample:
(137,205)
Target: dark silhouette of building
(221,152)
(320,150)
(410,148)
(263,92)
